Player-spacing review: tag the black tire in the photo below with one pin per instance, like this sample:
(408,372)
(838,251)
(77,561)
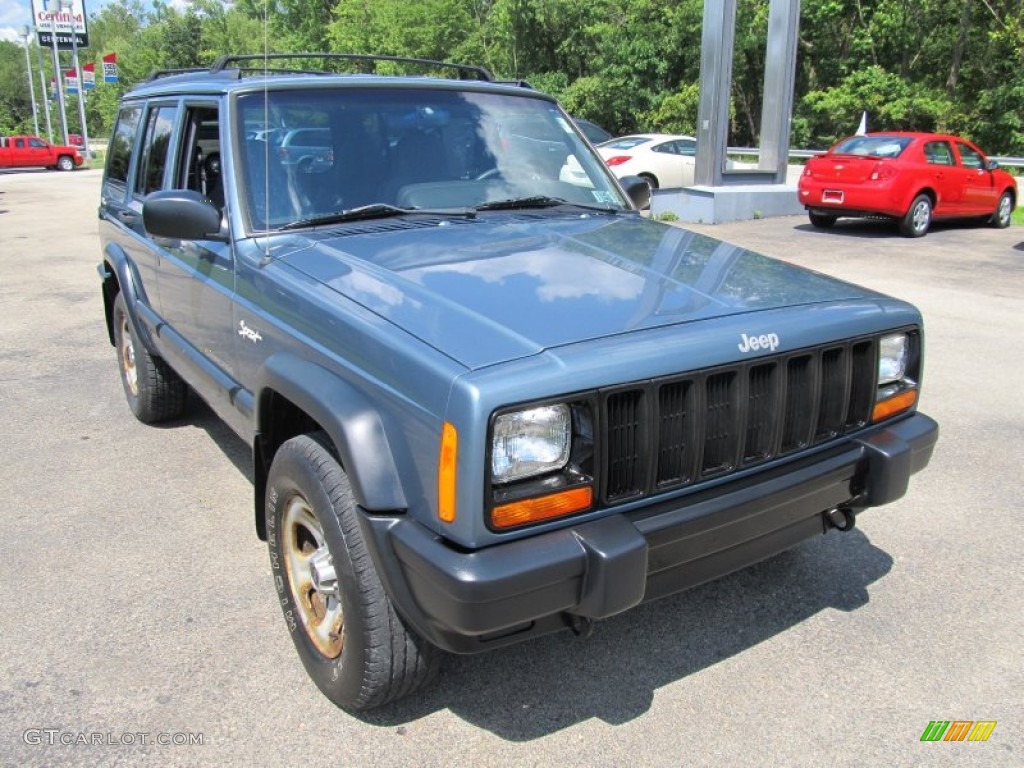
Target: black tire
(651,179)
(154,391)
(918,218)
(351,641)
(821,220)
(65,163)
(1000,218)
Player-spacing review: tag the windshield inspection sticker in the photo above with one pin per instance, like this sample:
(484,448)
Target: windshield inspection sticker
(603,196)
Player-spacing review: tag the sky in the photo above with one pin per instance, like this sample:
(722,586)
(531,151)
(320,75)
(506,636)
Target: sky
(13,14)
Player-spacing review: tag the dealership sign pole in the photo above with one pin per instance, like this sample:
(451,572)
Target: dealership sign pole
(49,14)
(42,89)
(26,33)
(68,6)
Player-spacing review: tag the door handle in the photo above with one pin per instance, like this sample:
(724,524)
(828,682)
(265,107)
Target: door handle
(127,217)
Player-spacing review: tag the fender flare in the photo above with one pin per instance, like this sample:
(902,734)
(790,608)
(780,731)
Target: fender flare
(346,415)
(129,284)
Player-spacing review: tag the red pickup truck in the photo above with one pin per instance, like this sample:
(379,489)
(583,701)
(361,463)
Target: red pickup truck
(28,151)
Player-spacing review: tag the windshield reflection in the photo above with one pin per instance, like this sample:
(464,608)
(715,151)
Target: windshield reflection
(313,153)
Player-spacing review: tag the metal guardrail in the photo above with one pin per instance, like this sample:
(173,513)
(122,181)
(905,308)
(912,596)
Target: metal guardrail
(1005,161)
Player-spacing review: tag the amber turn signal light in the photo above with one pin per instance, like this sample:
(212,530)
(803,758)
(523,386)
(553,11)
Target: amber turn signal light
(446,463)
(542,507)
(886,408)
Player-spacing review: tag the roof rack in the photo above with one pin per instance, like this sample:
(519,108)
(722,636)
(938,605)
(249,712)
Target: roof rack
(465,71)
(156,74)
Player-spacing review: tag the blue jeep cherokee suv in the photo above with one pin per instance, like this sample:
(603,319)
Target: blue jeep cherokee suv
(486,399)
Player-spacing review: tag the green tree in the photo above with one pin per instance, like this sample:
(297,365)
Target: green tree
(15,101)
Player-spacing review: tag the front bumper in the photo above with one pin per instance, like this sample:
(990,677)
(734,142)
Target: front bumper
(472,601)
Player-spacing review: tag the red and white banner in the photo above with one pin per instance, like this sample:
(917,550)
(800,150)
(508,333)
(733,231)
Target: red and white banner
(88,76)
(71,81)
(110,68)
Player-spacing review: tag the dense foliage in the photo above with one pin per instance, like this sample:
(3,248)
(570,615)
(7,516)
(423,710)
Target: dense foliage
(952,65)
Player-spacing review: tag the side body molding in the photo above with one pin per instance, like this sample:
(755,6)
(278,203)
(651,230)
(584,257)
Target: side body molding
(348,417)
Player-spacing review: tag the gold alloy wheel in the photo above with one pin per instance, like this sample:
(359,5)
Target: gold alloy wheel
(131,373)
(319,610)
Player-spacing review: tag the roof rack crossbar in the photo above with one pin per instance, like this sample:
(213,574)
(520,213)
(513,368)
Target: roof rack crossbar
(473,72)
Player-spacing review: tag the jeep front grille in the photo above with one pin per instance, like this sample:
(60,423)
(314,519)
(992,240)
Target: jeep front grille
(674,431)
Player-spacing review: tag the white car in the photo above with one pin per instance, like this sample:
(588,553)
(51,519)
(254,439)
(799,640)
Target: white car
(665,160)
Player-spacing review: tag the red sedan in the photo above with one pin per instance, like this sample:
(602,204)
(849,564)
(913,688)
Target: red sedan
(910,177)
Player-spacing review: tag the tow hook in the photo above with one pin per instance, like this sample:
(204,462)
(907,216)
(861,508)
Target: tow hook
(841,519)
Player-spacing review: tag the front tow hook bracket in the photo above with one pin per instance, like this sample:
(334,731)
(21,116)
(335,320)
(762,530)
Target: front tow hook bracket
(581,626)
(841,519)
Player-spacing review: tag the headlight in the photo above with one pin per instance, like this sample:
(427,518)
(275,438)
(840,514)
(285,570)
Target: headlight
(530,442)
(892,359)
(898,369)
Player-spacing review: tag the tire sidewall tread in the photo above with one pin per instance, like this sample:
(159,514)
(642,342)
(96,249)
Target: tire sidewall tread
(381,659)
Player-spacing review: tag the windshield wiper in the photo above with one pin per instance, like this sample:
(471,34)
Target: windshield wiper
(375,211)
(540,201)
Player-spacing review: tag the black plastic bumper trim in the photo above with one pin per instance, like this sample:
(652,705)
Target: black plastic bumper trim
(472,601)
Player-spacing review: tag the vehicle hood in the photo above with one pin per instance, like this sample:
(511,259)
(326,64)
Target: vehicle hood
(506,286)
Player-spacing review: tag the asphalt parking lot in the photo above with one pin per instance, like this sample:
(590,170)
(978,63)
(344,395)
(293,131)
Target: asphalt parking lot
(138,614)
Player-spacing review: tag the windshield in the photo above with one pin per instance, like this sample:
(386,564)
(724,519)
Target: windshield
(873,146)
(310,154)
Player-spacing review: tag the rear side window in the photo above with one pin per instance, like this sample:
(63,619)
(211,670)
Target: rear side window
(687,147)
(153,162)
(938,153)
(120,153)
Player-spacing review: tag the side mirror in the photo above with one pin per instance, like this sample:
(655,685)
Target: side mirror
(181,214)
(638,190)
(991,165)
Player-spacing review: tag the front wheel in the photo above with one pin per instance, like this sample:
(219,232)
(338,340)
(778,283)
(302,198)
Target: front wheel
(351,641)
(918,217)
(65,163)
(821,220)
(153,390)
(1004,209)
